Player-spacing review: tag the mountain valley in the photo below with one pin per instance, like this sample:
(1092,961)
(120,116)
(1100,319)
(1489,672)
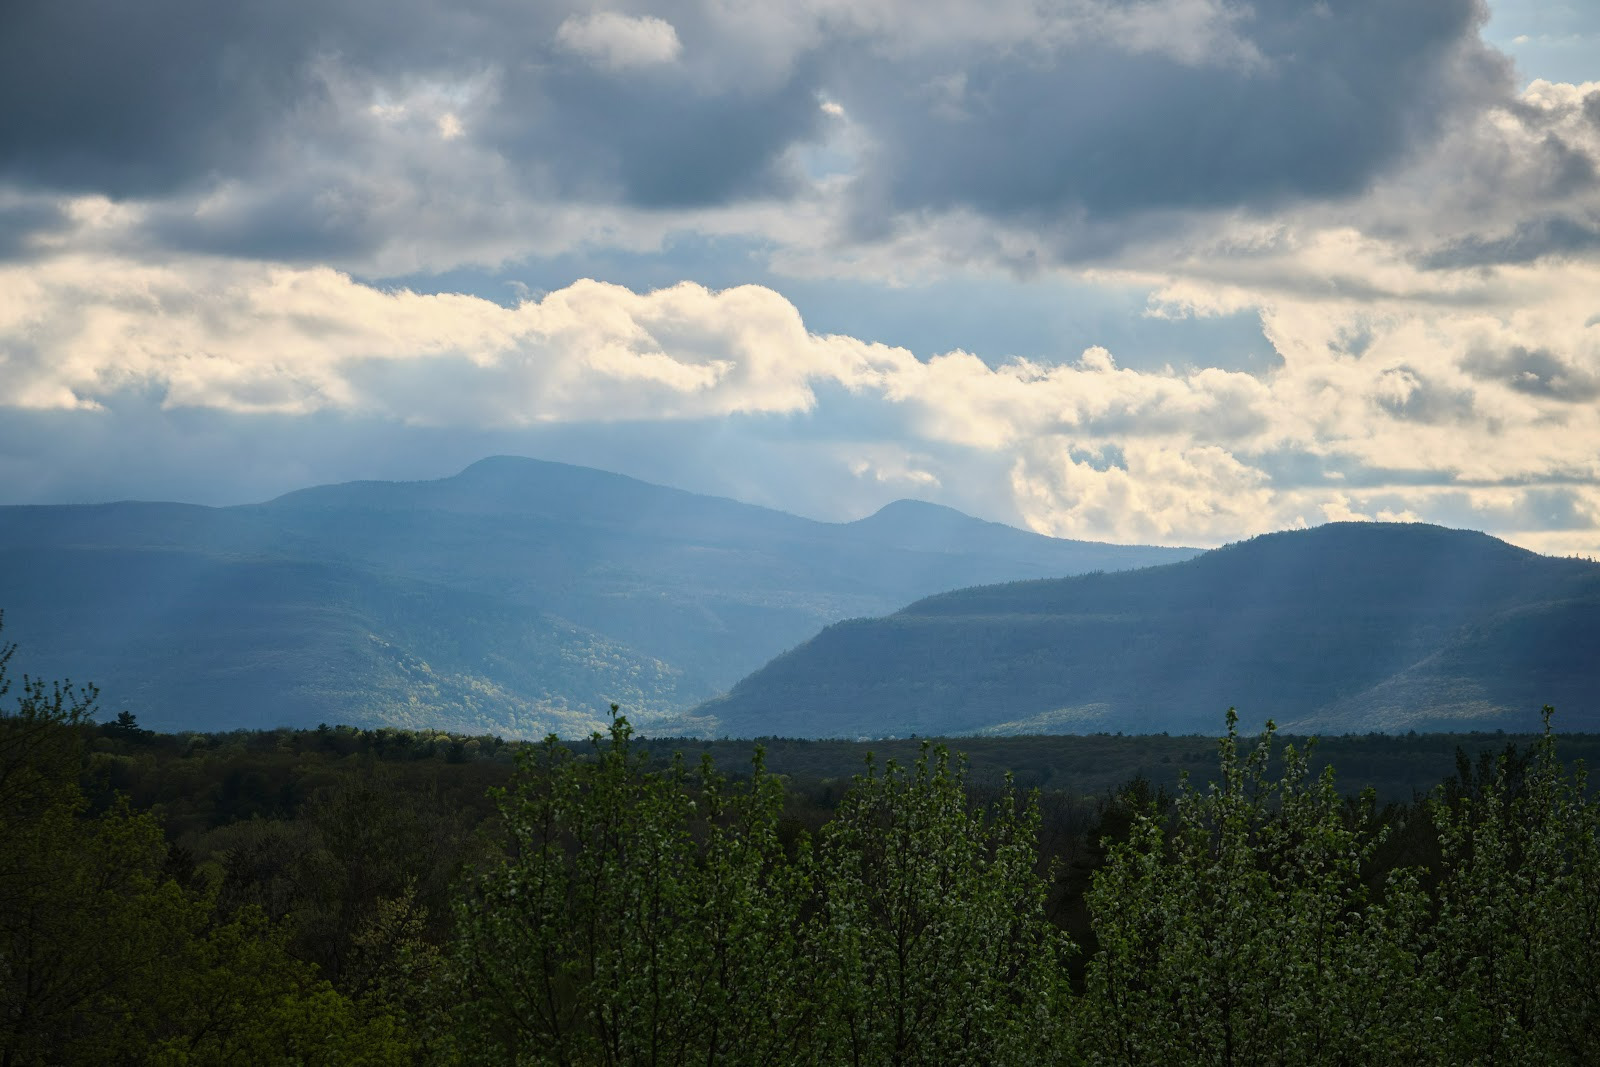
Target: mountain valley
(518,597)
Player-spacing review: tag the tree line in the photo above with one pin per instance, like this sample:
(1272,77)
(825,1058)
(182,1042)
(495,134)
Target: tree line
(606,906)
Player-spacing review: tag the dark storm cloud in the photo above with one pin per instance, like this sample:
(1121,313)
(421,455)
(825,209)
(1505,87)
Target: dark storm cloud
(121,98)
(21,224)
(1532,239)
(653,138)
(1420,399)
(1567,169)
(1535,371)
(1339,93)
(1112,128)
(144,99)
(293,220)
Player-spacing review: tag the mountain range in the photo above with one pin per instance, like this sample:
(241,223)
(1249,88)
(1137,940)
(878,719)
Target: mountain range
(1348,627)
(517,597)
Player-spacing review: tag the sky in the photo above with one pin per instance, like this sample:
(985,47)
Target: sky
(1158,271)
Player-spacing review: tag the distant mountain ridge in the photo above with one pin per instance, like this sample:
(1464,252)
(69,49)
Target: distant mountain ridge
(1345,627)
(518,596)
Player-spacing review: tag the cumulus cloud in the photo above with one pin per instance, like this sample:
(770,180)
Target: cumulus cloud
(1336,97)
(260,338)
(254,338)
(618,41)
(1413,415)
(1150,492)
(173,102)
(892,464)
(188,202)
(320,126)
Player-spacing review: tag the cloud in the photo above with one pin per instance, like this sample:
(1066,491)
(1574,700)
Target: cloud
(300,110)
(618,42)
(1339,95)
(890,464)
(1377,408)
(131,99)
(346,132)
(26,221)
(1539,372)
(260,338)
(1152,493)
(204,212)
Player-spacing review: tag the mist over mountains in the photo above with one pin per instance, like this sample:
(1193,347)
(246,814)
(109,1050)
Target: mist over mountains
(520,597)
(1345,627)
(517,597)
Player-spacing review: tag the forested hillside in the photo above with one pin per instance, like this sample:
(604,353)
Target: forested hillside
(1345,627)
(517,597)
(347,896)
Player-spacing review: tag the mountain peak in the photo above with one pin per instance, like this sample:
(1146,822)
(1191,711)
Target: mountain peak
(537,591)
(521,471)
(1348,626)
(1375,540)
(909,510)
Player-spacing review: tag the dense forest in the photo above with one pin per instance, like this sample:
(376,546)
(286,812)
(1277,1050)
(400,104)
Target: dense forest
(383,896)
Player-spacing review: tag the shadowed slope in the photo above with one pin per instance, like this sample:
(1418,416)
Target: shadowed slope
(533,593)
(1347,626)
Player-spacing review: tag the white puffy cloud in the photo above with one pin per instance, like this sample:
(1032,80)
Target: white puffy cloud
(1142,491)
(618,42)
(892,464)
(1479,414)
(1420,244)
(262,338)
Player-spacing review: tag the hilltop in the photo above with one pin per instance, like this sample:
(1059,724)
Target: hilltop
(1345,627)
(516,597)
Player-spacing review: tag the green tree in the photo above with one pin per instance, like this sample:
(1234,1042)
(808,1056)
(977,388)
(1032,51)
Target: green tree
(125,726)
(105,958)
(41,742)
(1515,968)
(929,943)
(641,916)
(1245,934)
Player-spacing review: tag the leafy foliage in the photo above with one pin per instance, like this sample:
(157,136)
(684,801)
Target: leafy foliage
(928,937)
(1515,953)
(655,916)
(613,934)
(1246,934)
(105,957)
(343,896)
